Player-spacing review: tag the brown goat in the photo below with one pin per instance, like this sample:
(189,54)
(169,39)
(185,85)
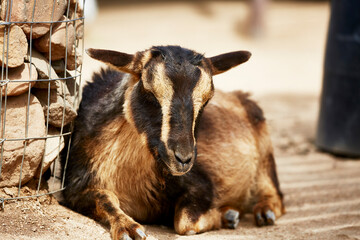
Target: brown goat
(146,149)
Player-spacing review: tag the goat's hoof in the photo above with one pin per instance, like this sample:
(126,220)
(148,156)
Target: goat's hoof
(264,216)
(125,236)
(231,218)
(190,232)
(139,234)
(135,232)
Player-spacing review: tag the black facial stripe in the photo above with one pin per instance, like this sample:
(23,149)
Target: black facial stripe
(181,121)
(182,106)
(184,78)
(146,111)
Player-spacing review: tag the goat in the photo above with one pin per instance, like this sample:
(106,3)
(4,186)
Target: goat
(146,149)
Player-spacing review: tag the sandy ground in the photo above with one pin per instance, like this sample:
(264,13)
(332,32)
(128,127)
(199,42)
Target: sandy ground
(322,192)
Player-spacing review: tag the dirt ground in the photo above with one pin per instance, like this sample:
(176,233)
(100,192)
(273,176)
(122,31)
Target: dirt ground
(322,192)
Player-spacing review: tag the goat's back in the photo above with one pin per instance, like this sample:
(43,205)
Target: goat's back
(102,100)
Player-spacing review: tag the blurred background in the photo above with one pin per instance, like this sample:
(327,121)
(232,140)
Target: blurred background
(287,38)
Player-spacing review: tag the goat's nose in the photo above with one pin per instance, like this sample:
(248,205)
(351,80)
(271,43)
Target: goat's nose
(183,158)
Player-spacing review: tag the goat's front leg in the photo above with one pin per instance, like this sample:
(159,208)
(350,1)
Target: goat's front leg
(193,217)
(107,210)
(188,221)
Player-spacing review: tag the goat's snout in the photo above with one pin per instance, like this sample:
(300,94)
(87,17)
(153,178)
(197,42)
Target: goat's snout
(183,158)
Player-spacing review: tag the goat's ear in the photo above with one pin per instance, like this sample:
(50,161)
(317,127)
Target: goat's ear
(121,61)
(222,63)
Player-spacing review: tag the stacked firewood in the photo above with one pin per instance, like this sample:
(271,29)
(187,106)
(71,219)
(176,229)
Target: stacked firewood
(38,43)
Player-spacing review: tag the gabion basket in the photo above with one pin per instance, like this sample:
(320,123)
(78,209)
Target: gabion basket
(41,48)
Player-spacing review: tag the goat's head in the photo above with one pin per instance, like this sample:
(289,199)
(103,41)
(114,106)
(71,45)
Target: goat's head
(171,86)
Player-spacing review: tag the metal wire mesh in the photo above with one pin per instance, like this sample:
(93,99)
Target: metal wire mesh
(68,83)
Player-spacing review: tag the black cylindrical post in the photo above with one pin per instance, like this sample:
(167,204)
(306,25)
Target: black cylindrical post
(339,119)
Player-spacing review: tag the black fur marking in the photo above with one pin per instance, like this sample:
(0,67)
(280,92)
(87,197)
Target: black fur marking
(156,53)
(193,191)
(181,121)
(273,175)
(112,57)
(179,55)
(146,111)
(77,179)
(109,208)
(83,202)
(101,102)
(198,197)
(87,203)
(226,61)
(197,60)
(254,112)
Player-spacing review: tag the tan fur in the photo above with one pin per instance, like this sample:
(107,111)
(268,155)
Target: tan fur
(120,223)
(265,187)
(130,176)
(164,94)
(184,225)
(127,105)
(145,58)
(161,87)
(236,149)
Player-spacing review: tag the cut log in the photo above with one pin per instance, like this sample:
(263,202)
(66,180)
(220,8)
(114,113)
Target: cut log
(15,52)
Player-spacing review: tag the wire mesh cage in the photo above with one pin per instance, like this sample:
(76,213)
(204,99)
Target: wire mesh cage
(41,61)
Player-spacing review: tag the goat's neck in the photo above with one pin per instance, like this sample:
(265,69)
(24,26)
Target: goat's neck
(121,152)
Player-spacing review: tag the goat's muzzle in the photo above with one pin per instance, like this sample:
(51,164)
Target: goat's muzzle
(181,162)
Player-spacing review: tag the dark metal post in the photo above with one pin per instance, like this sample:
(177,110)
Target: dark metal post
(339,119)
